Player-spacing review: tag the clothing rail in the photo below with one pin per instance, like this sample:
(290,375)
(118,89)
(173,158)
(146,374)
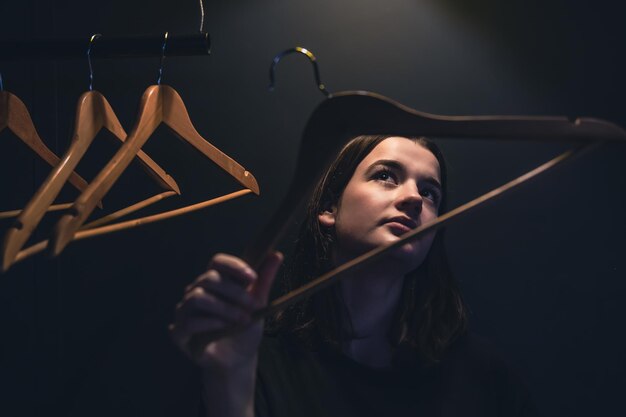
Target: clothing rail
(105,47)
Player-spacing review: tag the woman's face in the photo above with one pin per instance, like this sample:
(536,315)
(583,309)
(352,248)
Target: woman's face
(394,189)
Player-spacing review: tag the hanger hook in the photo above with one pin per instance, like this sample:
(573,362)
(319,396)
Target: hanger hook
(201,16)
(309,55)
(162,58)
(91,41)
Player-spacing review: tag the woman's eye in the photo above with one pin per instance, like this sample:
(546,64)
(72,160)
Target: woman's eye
(385,176)
(431,195)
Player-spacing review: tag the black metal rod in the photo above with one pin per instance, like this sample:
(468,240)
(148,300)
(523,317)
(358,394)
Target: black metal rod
(105,47)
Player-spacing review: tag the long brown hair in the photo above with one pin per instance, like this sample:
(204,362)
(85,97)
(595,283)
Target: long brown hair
(431,313)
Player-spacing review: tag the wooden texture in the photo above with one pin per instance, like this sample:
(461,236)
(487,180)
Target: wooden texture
(159,104)
(14,213)
(93,113)
(90,230)
(15,116)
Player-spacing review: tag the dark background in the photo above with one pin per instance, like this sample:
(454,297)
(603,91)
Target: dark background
(542,270)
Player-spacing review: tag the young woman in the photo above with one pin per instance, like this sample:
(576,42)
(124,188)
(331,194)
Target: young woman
(390,339)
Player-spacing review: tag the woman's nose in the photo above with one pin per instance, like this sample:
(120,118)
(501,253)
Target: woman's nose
(410,200)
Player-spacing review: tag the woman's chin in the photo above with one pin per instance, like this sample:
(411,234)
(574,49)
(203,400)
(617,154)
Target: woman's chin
(412,254)
(406,257)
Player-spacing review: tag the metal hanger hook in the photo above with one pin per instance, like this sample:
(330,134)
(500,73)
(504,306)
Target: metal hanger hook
(201,16)
(309,55)
(162,58)
(91,41)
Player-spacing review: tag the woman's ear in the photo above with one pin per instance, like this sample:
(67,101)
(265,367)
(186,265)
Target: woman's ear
(327,217)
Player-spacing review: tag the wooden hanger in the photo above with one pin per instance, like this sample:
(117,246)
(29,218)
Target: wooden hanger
(93,113)
(15,116)
(348,114)
(89,230)
(159,104)
(345,115)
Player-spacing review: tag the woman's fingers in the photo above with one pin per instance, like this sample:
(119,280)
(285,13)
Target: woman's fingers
(199,303)
(224,296)
(214,282)
(232,279)
(181,332)
(235,268)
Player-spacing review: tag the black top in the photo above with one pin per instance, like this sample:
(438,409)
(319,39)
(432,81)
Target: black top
(471,380)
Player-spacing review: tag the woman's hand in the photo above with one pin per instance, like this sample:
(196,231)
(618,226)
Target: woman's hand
(225,295)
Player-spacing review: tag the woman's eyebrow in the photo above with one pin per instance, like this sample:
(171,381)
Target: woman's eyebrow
(433,181)
(389,163)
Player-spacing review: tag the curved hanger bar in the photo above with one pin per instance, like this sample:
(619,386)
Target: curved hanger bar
(93,113)
(14,213)
(159,104)
(14,116)
(308,54)
(90,230)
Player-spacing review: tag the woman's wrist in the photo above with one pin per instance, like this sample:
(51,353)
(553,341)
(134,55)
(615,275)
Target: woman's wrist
(229,392)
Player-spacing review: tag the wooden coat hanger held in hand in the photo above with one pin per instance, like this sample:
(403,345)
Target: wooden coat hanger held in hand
(345,115)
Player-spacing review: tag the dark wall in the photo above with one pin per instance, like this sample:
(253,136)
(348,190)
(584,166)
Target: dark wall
(542,270)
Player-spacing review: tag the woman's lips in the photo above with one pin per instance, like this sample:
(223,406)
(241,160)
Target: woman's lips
(398,227)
